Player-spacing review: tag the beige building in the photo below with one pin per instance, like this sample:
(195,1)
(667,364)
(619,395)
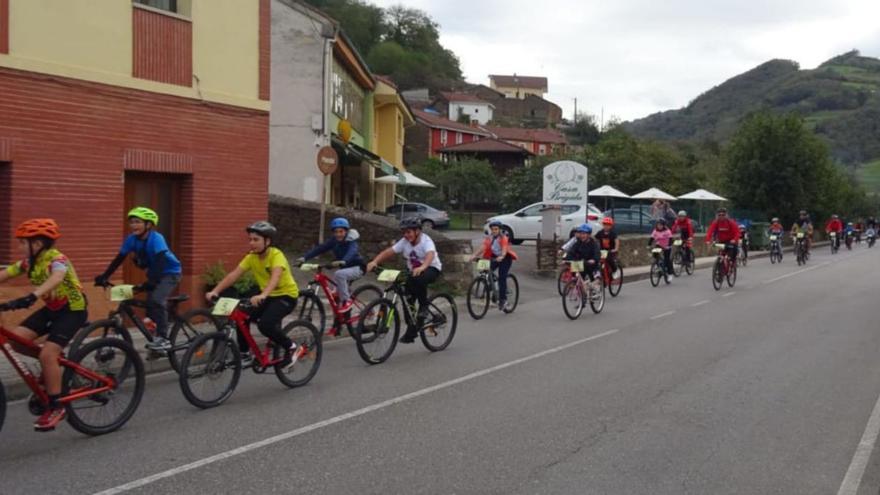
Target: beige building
(519,87)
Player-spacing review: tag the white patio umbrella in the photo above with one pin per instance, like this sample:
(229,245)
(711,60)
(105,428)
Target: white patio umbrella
(608,192)
(701,195)
(404,179)
(654,193)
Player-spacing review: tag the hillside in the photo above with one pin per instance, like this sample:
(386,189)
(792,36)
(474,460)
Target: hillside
(839,100)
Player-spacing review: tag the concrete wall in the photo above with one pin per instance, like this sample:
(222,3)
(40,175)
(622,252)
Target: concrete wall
(480,112)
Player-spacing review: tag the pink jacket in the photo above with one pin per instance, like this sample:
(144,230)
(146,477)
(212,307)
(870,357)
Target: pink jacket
(661,237)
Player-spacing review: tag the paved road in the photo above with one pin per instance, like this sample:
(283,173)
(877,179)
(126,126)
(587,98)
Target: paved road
(764,388)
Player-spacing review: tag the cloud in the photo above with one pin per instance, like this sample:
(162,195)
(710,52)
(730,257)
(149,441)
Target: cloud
(635,57)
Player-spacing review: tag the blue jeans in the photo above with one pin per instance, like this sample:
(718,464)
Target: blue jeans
(503,268)
(157,303)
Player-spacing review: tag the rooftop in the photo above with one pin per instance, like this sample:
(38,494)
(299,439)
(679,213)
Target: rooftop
(433,120)
(515,81)
(490,145)
(522,134)
(461,97)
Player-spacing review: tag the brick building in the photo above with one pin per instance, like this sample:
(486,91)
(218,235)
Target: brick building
(530,111)
(433,132)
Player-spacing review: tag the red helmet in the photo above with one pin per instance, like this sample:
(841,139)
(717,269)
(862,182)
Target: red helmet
(607,221)
(38,227)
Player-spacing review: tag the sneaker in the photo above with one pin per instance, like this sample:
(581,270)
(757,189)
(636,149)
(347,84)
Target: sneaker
(159,344)
(247,359)
(410,335)
(292,355)
(346,306)
(50,419)
(615,275)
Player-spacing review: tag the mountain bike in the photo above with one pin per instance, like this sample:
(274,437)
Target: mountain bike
(484,291)
(849,236)
(658,267)
(613,284)
(743,258)
(312,309)
(872,237)
(775,249)
(563,279)
(103,382)
(580,291)
(800,248)
(835,244)
(682,257)
(211,367)
(723,268)
(379,326)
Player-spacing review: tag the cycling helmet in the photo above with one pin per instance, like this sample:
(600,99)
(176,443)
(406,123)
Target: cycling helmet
(775,219)
(721,210)
(144,214)
(584,227)
(38,227)
(682,213)
(495,223)
(262,228)
(834,216)
(607,221)
(339,223)
(410,223)
(850,224)
(742,227)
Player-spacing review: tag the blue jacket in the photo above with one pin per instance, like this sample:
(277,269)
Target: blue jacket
(346,250)
(152,255)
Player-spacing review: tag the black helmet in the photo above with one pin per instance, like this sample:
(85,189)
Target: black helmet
(262,228)
(410,223)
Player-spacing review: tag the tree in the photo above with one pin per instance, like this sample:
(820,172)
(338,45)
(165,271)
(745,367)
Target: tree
(584,131)
(363,23)
(460,184)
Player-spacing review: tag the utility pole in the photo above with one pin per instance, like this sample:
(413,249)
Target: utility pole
(575,112)
(602,121)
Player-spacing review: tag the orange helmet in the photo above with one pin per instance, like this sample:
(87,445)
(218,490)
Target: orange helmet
(607,221)
(38,227)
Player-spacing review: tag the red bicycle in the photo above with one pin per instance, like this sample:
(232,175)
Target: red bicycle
(312,309)
(723,269)
(211,367)
(102,383)
(613,284)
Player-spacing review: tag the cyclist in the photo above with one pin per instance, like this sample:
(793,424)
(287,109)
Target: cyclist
(152,254)
(344,245)
(850,233)
(609,241)
(744,240)
(662,237)
(64,311)
(424,265)
(685,227)
(775,228)
(582,247)
(496,247)
(278,290)
(726,231)
(836,226)
(805,225)
(871,224)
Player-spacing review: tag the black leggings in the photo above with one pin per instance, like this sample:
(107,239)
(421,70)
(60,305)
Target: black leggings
(418,286)
(268,317)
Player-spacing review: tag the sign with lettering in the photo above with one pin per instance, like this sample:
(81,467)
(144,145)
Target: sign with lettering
(565,183)
(328,160)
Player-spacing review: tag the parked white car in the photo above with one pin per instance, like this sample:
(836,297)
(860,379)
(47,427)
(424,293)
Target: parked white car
(525,224)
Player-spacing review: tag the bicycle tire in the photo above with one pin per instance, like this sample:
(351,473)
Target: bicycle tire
(379,324)
(438,333)
(731,275)
(303,333)
(772,255)
(185,330)
(103,356)
(360,298)
(616,283)
(655,274)
(222,354)
(717,278)
(599,303)
(512,294)
(574,296)
(478,299)
(312,310)
(562,280)
(689,268)
(108,328)
(2,405)
(678,263)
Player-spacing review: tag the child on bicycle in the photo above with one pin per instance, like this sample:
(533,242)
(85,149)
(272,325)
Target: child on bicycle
(64,311)
(152,254)
(684,227)
(344,246)
(278,290)
(662,237)
(496,247)
(744,240)
(424,265)
(583,247)
(608,241)
(776,228)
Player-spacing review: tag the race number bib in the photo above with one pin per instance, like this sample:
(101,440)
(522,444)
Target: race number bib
(224,306)
(388,275)
(121,293)
(483,265)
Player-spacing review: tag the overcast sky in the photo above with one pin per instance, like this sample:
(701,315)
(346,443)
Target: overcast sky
(637,57)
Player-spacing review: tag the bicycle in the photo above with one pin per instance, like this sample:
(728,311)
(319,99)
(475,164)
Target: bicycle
(312,309)
(212,354)
(723,268)
(835,246)
(484,291)
(95,378)
(872,237)
(775,249)
(800,248)
(184,328)
(377,333)
(743,258)
(658,267)
(613,285)
(578,292)
(682,258)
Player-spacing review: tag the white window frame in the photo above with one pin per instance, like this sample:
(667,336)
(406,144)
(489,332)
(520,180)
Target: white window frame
(459,137)
(444,137)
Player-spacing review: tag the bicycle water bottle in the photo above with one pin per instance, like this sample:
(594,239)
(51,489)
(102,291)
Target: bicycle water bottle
(150,325)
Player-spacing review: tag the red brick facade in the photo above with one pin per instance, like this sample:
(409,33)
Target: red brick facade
(67,145)
(162,47)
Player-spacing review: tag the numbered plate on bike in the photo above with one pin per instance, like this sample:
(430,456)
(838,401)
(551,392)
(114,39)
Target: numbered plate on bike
(678,242)
(484,265)
(603,253)
(657,250)
(800,235)
(833,235)
(774,238)
(721,246)
(309,267)
(577,266)
(388,275)
(224,306)
(121,293)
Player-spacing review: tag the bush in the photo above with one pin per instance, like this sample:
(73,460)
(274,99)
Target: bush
(244,286)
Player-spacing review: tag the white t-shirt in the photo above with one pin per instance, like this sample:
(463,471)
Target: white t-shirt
(415,255)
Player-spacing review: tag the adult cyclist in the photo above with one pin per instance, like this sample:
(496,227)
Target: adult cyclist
(684,227)
(805,225)
(836,226)
(724,230)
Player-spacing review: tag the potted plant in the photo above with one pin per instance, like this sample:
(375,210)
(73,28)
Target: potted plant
(244,287)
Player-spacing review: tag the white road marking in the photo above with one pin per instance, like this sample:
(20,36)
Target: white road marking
(663,315)
(700,303)
(792,274)
(729,294)
(342,417)
(853,478)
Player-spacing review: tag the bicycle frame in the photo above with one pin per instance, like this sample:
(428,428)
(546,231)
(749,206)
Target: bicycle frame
(724,257)
(241,319)
(339,318)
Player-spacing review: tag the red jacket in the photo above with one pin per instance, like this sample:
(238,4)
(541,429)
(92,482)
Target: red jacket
(685,226)
(727,230)
(834,225)
(505,244)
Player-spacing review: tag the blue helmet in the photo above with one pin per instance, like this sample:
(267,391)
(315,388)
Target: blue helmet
(339,223)
(584,227)
(495,223)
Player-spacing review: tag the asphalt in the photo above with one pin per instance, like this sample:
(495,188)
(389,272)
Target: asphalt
(763,388)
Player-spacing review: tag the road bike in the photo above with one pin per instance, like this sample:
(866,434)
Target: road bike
(579,292)
(211,367)
(312,309)
(658,267)
(743,258)
(800,248)
(102,382)
(682,257)
(723,268)
(775,249)
(379,327)
(184,328)
(835,244)
(613,284)
(872,237)
(484,291)
(849,236)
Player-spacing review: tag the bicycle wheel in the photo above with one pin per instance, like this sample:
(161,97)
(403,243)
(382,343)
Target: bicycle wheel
(717,277)
(478,298)
(108,411)
(773,255)
(210,370)
(656,273)
(573,300)
(562,280)
(442,322)
(597,298)
(731,275)
(678,263)
(193,323)
(98,330)
(512,294)
(377,331)
(308,341)
(362,296)
(689,267)
(614,285)
(2,405)
(312,310)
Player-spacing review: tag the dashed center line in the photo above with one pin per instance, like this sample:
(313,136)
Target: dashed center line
(729,294)
(663,315)
(700,303)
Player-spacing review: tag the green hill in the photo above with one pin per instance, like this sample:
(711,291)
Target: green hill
(839,100)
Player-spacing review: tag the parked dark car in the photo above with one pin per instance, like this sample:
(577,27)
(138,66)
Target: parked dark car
(627,221)
(431,217)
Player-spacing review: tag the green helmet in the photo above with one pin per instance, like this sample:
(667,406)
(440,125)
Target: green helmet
(144,214)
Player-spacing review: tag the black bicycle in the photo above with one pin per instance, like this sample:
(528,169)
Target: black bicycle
(775,248)
(484,291)
(658,267)
(682,258)
(379,326)
(184,327)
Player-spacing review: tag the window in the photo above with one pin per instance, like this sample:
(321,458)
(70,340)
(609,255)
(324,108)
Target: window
(459,138)
(569,209)
(476,110)
(444,137)
(532,211)
(542,149)
(169,5)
